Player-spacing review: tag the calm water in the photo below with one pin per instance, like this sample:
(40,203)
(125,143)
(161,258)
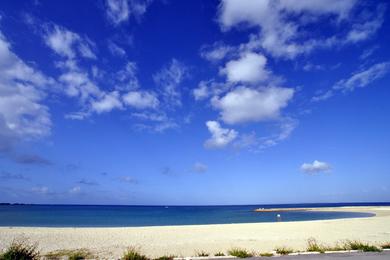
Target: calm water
(132,216)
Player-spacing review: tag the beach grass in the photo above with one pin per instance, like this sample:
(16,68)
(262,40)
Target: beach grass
(77,254)
(219,254)
(365,247)
(165,257)
(266,254)
(240,253)
(283,250)
(21,249)
(314,246)
(133,254)
(202,253)
(386,245)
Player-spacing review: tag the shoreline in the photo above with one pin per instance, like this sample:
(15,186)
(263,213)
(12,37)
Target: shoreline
(186,240)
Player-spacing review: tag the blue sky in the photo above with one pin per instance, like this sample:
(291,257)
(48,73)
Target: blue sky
(194,102)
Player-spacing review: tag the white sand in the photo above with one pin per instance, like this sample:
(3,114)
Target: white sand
(187,240)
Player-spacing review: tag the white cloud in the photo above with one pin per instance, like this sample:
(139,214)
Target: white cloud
(340,8)
(78,84)
(119,11)
(287,126)
(250,68)
(68,44)
(22,92)
(107,103)
(315,167)
(359,79)
(201,92)
(249,105)
(75,190)
(200,167)
(255,143)
(283,35)
(116,50)
(127,77)
(40,190)
(141,99)
(216,52)
(80,115)
(363,78)
(209,88)
(128,179)
(220,137)
(169,79)
(365,30)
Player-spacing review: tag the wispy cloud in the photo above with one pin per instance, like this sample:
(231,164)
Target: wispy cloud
(200,167)
(168,79)
(13,176)
(87,182)
(128,179)
(119,11)
(32,159)
(358,79)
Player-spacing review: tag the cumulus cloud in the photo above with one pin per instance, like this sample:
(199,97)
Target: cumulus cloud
(119,11)
(249,68)
(169,79)
(250,105)
(141,99)
(220,137)
(315,167)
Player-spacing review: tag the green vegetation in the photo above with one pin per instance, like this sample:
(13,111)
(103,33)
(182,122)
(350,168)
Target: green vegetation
(202,253)
(133,254)
(313,246)
(386,245)
(219,254)
(266,254)
(240,253)
(165,257)
(77,254)
(365,247)
(283,250)
(21,250)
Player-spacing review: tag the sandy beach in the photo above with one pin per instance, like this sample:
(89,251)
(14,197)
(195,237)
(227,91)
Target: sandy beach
(187,240)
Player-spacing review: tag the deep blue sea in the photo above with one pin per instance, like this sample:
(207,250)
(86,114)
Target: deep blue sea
(135,216)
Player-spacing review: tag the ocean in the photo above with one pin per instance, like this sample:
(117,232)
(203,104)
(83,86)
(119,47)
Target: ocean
(136,216)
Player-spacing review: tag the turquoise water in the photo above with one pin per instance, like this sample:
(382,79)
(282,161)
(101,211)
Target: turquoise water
(134,216)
